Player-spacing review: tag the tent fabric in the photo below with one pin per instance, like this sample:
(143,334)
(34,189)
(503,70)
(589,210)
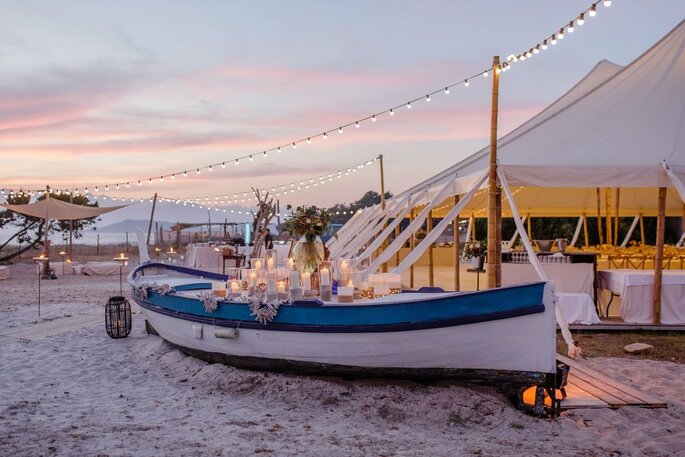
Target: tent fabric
(392,211)
(369,224)
(51,208)
(387,231)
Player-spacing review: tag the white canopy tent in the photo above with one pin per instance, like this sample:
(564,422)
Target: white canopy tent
(618,127)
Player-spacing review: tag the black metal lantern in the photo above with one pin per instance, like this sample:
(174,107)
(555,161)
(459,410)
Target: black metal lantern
(118,317)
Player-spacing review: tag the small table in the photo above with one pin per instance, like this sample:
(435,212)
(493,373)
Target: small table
(122,259)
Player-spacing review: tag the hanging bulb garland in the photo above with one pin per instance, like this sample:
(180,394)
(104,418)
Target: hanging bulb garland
(591,11)
(559,35)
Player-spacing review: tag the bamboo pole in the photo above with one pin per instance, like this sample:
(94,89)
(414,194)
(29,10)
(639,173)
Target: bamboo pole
(431,266)
(607,205)
(659,254)
(585,232)
(455,245)
(473,228)
(599,217)
(412,242)
(494,251)
(529,226)
(616,208)
(642,229)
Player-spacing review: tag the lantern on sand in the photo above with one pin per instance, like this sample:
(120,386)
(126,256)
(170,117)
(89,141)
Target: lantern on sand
(118,317)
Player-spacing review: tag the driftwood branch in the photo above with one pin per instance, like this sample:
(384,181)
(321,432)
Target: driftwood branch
(266,210)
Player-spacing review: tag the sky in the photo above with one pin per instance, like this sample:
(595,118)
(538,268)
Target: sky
(99,92)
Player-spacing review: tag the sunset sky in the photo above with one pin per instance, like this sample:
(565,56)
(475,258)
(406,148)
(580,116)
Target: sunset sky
(97,92)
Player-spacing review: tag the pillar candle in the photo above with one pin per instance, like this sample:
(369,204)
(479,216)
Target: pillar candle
(325,277)
(306,281)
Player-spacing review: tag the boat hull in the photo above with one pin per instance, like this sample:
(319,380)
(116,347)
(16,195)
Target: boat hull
(517,344)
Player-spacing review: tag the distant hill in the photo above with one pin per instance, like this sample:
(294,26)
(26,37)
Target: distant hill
(129,225)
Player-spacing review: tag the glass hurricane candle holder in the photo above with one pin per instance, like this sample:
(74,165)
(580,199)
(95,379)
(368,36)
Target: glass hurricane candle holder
(325,280)
(270,259)
(271,285)
(257,263)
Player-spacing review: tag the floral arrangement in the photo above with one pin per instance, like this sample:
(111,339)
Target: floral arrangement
(308,221)
(473,249)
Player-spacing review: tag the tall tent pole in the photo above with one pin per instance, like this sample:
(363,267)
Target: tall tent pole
(412,243)
(616,208)
(607,205)
(599,217)
(494,191)
(71,229)
(385,244)
(47,221)
(659,255)
(152,216)
(455,245)
(431,260)
(642,229)
(585,233)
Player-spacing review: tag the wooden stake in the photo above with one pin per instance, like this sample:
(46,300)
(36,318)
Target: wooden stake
(494,255)
(599,217)
(659,255)
(616,208)
(585,232)
(455,245)
(431,266)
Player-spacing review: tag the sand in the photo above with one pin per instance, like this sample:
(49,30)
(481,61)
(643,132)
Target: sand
(78,392)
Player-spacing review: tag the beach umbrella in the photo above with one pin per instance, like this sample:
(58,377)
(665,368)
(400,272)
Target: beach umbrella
(54,209)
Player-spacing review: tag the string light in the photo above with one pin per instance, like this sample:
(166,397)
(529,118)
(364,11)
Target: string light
(581,19)
(593,11)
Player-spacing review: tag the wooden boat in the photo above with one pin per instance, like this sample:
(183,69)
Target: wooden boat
(504,336)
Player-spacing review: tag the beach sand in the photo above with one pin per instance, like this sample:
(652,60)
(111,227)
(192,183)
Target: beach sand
(79,392)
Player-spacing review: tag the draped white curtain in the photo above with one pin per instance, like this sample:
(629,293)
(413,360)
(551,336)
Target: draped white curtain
(370,216)
(576,234)
(398,208)
(630,231)
(416,224)
(573,350)
(416,253)
(388,230)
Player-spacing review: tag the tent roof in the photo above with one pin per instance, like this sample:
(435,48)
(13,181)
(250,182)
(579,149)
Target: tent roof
(51,208)
(611,130)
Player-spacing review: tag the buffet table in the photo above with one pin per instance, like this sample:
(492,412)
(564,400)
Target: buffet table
(578,308)
(101,268)
(567,277)
(199,256)
(636,288)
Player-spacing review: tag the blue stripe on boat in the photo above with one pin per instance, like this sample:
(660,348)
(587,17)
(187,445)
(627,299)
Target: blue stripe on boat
(440,311)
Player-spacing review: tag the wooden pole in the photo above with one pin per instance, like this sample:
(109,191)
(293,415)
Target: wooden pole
(599,217)
(431,269)
(46,242)
(642,230)
(529,226)
(152,216)
(607,205)
(616,208)
(473,228)
(659,254)
(494,192)
(412,242)
(384,268)
(585,232)
(456,249)
(71,230)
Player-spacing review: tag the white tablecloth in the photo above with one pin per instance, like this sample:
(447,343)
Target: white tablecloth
(636,288)
(204,256)
(4,272)
(282,251)
(70,268)
(101,268)
(567,277)
(578,308)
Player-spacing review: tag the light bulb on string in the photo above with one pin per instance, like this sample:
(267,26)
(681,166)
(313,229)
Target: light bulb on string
(210,168)
(560,35)
(554,39)
(356,124)
(223,165)
(251,158)
(544,45)
(325,135)
(309,141)
(607,3)
(392,113)
(593,11)
(185,174)
(570,27)
(447,89)
(340,129)
(373,118)
(581,19)
(536,49)
(294,145)
(173,176)
(428,98)
(408,105)
(466,83)
(485,74)
(265,154)
(198,171)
